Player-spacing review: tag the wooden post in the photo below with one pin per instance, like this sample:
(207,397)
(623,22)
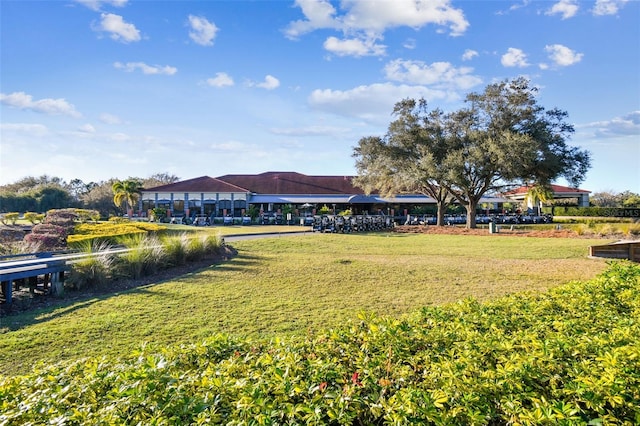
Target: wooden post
(7,290)
(33,283)
(57,284)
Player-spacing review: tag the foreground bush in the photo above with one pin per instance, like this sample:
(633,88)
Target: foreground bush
(567,357)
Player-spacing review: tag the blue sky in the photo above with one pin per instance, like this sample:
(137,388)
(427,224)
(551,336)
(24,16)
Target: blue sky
(95,89)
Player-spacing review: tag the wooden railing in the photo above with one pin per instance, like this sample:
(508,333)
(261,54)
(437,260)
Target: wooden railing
(51,266)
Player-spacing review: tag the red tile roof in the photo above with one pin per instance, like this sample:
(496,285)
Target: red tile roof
(293,183)
(199,184)
(278,183)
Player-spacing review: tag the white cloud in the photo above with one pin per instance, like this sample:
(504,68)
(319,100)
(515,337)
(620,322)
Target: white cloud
(222,79)
(562,55)
(118,28)
(628,125)
(409,43)
(318,13)
(202,31)
(110,118)
(469,54)
(608,7)
(373,103)
(36,130)
(366,21)
(566,8)
(97,4)
(269,83)
(514,58)
(21,100)
(87,128)
(513,7)
(146,69)
(440,74)
(354,47)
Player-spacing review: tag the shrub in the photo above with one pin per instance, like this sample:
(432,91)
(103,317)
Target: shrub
(112,231)
(324,210)
(93,271)
(62,217)
(19,247)
(184,248)
(147,256)
(47,236)
(583,229)
(634,229)
(212,243)
(9,218)
(196,249)
(85,215)
(566,357)
(118,219)
(606,229)
(158,214)
(34,218)
(176,249)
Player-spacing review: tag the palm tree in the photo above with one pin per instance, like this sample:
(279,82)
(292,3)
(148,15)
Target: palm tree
(538,194)
(126,191)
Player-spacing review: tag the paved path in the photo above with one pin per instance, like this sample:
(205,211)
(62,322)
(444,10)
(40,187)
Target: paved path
(242,237)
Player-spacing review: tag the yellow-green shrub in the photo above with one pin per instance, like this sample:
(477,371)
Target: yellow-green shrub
(9,218)
(34,218)
(112,232)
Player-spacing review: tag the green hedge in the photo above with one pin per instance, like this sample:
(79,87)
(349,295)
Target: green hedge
(594,212)
(567,357)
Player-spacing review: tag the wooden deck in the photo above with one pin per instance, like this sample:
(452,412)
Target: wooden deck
(629,250)
(51,266)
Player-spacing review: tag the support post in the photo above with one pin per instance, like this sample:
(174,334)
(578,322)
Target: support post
(57,283)
(7,290)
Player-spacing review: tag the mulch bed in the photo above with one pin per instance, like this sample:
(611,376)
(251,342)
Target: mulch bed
(504,230)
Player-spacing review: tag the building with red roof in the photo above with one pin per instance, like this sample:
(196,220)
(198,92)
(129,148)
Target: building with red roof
(234,194)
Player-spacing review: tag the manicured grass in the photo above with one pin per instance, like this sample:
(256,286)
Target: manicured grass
(294,285)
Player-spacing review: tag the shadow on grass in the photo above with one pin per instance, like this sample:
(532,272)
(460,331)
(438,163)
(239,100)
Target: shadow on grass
(49,308)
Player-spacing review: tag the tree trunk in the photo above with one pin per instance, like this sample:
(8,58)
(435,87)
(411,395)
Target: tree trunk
(471,214)
(442,208)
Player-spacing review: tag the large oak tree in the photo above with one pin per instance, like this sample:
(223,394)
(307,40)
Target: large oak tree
(500,138)
(409,159)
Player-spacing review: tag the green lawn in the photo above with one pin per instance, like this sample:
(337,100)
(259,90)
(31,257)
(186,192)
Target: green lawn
(294,285)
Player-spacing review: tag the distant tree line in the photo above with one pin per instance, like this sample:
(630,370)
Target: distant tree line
(41,194)
(615,199)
